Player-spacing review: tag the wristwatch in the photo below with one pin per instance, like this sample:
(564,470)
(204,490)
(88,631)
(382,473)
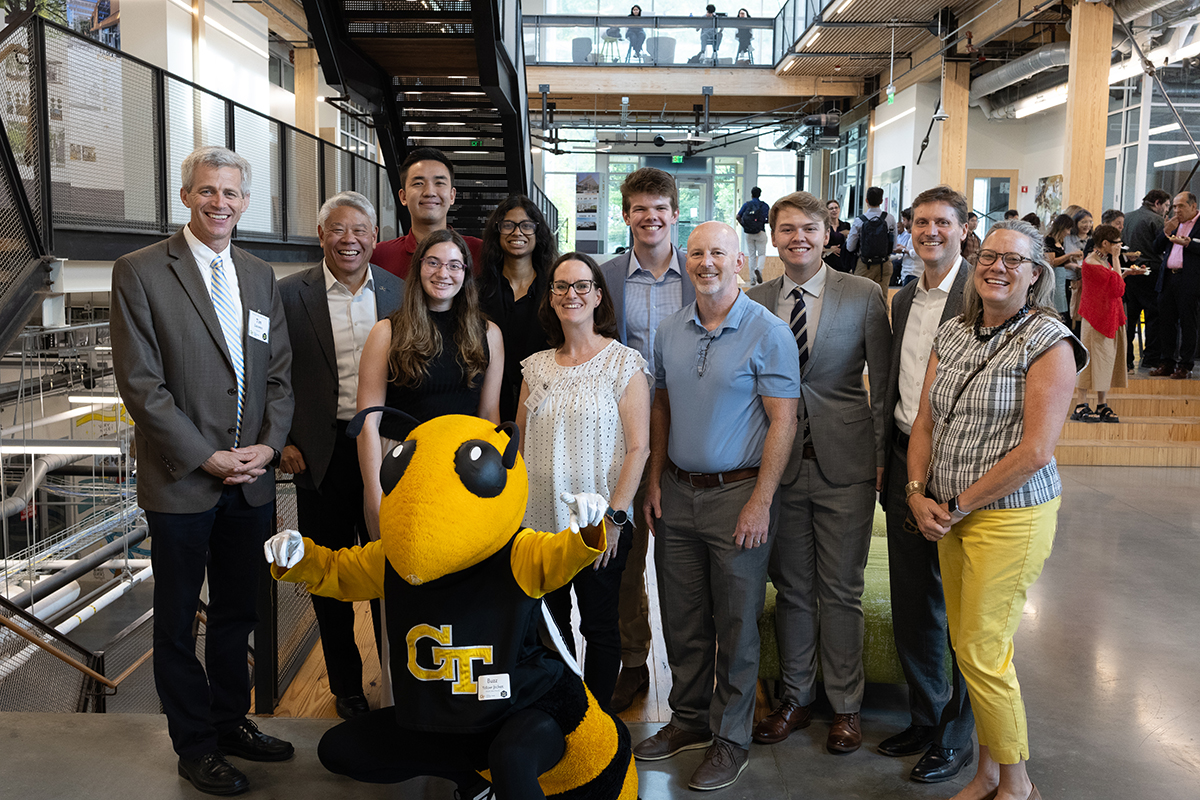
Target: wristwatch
(619,517)
(952,506)
(276,457)
(913,487)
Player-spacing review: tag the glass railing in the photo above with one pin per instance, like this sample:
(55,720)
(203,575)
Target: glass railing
(650,41)
(796,17)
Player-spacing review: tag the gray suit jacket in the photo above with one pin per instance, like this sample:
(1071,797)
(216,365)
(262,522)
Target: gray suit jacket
(615,271)
(847,429)
(315,378)
(176,379)
(901,305)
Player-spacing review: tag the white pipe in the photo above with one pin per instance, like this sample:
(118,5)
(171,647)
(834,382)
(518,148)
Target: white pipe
(103,601)
(49,605)
(63,563)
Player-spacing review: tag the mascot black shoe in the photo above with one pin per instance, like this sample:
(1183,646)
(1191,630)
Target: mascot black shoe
(479,690)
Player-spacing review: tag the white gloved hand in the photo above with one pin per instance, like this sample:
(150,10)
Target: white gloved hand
(285,549)
(587,509)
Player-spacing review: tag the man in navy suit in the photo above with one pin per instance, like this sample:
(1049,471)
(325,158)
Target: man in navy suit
(648,284)
(1179,289)
(331,308)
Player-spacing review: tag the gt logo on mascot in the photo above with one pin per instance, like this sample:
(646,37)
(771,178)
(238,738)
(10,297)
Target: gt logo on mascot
(452,663)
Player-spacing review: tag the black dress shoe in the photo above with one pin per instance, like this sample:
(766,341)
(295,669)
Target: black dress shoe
(212,774)
(942,763)
(352,706)
(908,742)
(248,742)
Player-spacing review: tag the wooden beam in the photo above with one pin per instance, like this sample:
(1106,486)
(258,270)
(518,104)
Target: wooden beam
(955,99)
(725,82)
(306,89)
(990,17)
(285,18)
(1087,105)
(642,106)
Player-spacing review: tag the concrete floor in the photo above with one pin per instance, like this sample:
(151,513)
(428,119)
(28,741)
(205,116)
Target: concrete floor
(1106,652)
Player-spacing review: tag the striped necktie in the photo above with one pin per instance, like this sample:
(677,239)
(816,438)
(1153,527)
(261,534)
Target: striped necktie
(799,326)
(231,326)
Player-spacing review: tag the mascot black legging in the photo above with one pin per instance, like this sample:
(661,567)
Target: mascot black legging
(372,748)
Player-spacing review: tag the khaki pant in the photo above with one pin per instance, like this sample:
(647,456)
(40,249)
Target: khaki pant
(880,273)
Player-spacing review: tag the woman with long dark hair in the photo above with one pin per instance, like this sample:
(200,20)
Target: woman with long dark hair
(434,355)
(1061,260)
(518,249)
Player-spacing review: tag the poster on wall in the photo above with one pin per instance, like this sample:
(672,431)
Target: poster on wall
(587,206)
(1047,203)
(892,183)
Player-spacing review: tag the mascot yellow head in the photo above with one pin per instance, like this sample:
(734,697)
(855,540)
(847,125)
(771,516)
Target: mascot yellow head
(454,493)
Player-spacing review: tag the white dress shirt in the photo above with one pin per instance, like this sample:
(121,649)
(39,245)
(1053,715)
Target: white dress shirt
(204,255)
(924,317)
(351,316)
(812,289)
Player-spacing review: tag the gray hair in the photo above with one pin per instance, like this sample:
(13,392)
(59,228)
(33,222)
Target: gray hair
(216,158)
(1041,293)
(351,199)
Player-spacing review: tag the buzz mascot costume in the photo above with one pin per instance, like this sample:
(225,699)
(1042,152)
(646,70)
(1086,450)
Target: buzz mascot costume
(477,691)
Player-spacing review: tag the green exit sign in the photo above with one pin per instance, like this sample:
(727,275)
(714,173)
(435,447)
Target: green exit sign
(676,159)
(476,143)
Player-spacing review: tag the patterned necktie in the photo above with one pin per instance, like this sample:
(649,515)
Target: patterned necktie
(231,326)
(799,326)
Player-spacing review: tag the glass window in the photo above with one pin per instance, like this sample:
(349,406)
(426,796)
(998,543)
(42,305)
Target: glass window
(560,184)
(618,232)
(727,188)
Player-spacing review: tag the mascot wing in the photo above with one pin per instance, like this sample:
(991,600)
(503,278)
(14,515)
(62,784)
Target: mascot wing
(352,573)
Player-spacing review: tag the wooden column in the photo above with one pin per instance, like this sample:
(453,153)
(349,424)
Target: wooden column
(1087,106)
(870,157)
(306,89)
(955,96)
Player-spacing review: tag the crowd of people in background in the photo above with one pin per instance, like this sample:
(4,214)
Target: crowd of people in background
(734,426)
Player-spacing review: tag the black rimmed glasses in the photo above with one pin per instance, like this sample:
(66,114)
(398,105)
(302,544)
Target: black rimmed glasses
(581,287)
(526,226)
(435,265)
(1011,260)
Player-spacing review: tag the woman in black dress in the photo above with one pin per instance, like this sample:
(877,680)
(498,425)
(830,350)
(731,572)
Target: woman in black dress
(434,355)
(518,249)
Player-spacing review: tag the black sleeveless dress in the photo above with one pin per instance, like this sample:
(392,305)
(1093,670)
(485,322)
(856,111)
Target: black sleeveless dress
(444,390)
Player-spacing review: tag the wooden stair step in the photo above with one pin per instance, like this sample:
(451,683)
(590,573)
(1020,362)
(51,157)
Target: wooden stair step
(1154,405)
(1158,429)
(1126,453)
(1159,386)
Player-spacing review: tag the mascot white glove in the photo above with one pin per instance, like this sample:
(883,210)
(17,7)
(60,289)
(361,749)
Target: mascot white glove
(587,509)
(285,549)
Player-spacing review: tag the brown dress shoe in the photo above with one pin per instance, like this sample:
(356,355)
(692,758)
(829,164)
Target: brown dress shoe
(779,724)
(845,735)
(1162,370)
(722,765)
(630,683)
(1181,374)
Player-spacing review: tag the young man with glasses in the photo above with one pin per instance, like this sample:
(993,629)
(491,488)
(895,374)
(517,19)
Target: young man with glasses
(331,308)
(648,283)
(428,193)
(716,456)
(941,722)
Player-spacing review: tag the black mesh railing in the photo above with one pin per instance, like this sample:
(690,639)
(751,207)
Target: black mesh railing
(128,650)
(111,131)
(32,679)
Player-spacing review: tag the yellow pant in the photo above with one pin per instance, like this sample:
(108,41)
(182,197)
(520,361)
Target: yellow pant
(989,560)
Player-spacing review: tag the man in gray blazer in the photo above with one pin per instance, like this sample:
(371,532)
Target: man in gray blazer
(331,308)
(836,466)
(941,719)
(203,363)
(647,284)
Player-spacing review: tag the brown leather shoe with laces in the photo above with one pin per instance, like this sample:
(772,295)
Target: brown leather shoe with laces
(845,735)
(722,764)
(630,683)
(668,741)
(779,724)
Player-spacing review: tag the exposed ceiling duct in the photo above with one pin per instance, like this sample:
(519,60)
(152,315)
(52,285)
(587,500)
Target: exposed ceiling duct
(1040,60)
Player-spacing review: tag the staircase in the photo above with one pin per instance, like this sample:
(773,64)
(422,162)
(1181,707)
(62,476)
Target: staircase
(448,74)
(1159,427)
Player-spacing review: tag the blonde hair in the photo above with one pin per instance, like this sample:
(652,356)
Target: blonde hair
(1041,293)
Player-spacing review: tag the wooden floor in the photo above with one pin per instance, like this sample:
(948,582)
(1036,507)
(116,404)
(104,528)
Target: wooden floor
(309,696)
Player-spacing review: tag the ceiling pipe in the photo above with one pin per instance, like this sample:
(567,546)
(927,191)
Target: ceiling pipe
(1028,65)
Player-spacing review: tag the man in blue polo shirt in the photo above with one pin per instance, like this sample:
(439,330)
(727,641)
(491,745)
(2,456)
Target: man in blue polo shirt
(716,455)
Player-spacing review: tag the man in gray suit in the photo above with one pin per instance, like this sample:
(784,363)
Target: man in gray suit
(836,466)
(647,284)
(941,721)
(202,360)
(331,308)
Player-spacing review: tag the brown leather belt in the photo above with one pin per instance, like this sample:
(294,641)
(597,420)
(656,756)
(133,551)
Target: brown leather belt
(710,480)
(809,452)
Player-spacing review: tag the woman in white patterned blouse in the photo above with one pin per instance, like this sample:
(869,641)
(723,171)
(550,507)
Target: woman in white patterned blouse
(585,412)
(996,394)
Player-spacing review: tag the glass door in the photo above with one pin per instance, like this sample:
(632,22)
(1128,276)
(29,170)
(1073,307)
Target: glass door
(991,195)
(695,205)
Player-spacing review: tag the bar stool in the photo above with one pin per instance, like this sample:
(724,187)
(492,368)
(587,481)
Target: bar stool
(609,52)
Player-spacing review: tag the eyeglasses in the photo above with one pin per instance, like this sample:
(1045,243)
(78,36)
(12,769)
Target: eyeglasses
(526,226)
(434,265)
(1011,260)
(702,354)
(581,287)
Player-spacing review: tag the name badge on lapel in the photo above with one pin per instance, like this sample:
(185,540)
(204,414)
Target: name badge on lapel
(260,327)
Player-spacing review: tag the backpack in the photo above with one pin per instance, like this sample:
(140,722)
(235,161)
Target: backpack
(755,218)
(874,239)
